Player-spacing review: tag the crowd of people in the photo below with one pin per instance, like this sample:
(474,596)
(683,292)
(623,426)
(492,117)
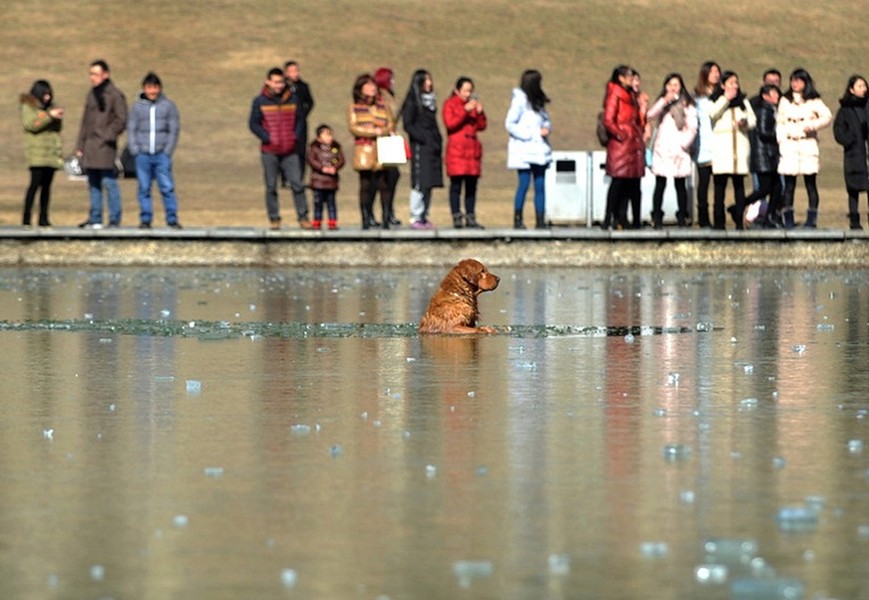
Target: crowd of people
(713,128)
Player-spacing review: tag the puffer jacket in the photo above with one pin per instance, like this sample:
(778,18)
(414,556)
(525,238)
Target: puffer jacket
(464,151)
(101,127)
(273,121)
(624,123)
(675,133)
(526,146)
(798,148)
(731,122)
(153,127)
(324,155)
(42,134)
(764,144)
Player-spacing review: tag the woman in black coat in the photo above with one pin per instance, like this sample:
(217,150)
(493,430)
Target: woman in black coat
(850,130)
(419,113)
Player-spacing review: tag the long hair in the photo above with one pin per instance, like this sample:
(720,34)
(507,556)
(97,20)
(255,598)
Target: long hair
(39,89)
(702,86)
(810,93)
(358,96)
(414,90)
(530,83)
(684,96)
(848,96)
(620,71)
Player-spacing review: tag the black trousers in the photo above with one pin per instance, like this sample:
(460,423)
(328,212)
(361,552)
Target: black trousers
(719,181)
(40,180)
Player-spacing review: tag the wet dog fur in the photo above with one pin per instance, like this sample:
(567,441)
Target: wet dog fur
(453,308)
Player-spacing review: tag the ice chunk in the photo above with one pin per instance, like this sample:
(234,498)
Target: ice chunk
(704,326)
(194,387)
(654,549)
(710,573)
(180,520)
(676,451)
(730,550)
(687,496)
(468,570)
(431,471)
(288,578)
(336,450)
(214,472)
(629,338)
(797,518)
(798,348)
(855,446)
(48,434)
(673,379)
(559,564)
(300,429)
(98,572)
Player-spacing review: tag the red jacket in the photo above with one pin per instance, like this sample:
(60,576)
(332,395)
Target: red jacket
(625,151)
(464,151)
(273,121)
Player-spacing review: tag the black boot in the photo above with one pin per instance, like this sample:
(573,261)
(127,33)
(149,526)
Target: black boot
(517,220)
(540,222)
(471,222)
(788,218)
(458,220)
(368,221)
(854,219)
(811,219)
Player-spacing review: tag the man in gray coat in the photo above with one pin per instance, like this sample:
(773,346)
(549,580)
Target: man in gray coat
(152,135)
(104,120)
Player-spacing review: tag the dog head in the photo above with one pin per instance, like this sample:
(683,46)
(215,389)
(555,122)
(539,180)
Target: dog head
(476,274)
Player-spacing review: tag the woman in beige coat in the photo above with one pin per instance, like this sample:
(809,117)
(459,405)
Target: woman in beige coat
(801,113)
(732,118)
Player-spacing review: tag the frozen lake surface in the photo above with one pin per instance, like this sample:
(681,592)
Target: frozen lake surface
(202,433)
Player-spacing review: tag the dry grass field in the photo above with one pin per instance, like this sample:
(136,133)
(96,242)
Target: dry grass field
(213,56)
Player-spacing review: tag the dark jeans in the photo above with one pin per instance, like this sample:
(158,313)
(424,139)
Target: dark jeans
(470,182)
(720,183)
(704,175)
(289,168)
(40,179)
(326,197)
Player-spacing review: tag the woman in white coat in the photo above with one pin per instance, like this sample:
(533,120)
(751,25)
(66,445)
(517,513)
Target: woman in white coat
(528,150)
(732,119)
(801,114)
(676,127)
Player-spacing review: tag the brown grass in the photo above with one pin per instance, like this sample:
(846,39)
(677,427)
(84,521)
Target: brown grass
(213,57)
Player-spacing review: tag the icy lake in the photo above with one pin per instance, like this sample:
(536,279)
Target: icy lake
(214,433)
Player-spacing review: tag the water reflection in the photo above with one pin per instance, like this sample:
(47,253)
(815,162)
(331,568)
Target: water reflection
(376,463)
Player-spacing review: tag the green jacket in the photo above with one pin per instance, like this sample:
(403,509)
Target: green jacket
(41,135)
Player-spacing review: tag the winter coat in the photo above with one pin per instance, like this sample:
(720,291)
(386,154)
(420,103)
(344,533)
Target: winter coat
(362,119)
(305,101)
(41,134)
(526,146)
(676,130)
(324,155)
(703,143)
(764,144)
(731,147)
(464,151)
(798,149)
(625,151)
(850,130)
(426,146)
(101,126)
(153,127)
(273,119)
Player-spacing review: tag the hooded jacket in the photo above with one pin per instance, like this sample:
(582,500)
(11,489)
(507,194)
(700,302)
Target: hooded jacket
(850,130)
(464,150)
(42,134)
(153,127)
(526,146)
(625,149)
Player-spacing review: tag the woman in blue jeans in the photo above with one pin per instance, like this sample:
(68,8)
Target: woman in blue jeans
(528,150)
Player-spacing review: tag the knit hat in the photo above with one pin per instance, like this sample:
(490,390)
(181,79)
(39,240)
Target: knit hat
(383,78)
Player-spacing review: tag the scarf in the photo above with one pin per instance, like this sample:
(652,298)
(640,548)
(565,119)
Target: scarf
(100,95)
(429,101)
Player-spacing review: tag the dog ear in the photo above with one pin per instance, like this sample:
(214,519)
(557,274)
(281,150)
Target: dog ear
(471,270)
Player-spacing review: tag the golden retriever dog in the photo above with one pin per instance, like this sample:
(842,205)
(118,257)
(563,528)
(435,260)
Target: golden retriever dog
(453,308)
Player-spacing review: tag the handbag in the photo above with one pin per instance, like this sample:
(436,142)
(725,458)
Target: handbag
(364,157)
(391,150)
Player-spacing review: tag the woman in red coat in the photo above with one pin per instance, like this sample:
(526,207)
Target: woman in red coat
(625,160)
(463,118)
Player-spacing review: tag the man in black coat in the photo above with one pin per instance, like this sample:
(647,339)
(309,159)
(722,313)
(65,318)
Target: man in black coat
(302,91)
(765,155)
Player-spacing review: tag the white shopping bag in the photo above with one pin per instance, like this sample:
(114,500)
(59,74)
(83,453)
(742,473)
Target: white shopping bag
(390,150)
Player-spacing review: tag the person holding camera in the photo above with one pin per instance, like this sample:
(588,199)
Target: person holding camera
(463,118)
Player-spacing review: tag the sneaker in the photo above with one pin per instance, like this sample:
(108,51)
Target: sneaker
(144,226)
(419,225)
(89,225)
(176,225)
(275,224)
(114,225)
(304,223)
(428,224)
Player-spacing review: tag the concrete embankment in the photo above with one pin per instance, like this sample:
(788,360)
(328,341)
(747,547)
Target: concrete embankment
(557,247)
